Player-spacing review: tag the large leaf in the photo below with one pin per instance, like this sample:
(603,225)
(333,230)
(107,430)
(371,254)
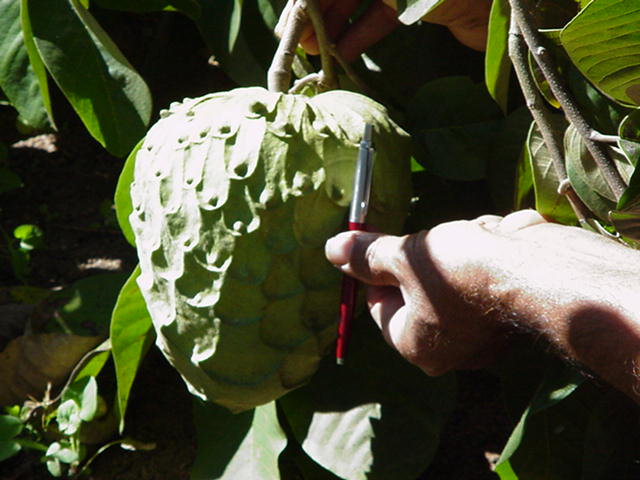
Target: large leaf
(629,137)
(122,197)
(543,431)
(30,362)
(454,138)
(18,79)
(504,161)
(410,11)
(353,423)
(35,60)
(586,178)
(497,63)
(603,40)
(234,446)
(602,113)
(545,179)
(131,336)
(244,54)
(110,97)
(87,304)
(10,427)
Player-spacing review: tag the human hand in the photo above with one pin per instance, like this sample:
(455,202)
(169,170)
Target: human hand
(466,19)
(447,298)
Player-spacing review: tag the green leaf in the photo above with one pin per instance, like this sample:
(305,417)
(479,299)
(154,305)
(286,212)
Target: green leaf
(545,180)
(530,447)
(31,237)
(68,417)
(110,97)
(369,416)
(122,198)
(505,471)
(88,303)
(131,336)
(234,446)
(626,220)
(9,180)
(94,361)
(586,178)
(602,113)
(629,143)
(270,11)
(254,44)
(410,11)
(234,23)
(8,449)
(454,137)
(497,63)
(10,427)
(504,158)
(18,80)
(63,452)
(629,137)
(603,41)
(524,193)
(84,393)
(35,60)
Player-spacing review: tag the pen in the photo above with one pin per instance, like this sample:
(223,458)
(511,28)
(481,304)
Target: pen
(357,221)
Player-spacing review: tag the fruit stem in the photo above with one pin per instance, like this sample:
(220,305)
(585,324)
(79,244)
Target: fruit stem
(279,74)
(328,78)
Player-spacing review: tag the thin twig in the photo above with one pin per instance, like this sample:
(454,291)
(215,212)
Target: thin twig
(518,55)
(311,79)
(279,74)
(543,58)
(351,73)
(328,79)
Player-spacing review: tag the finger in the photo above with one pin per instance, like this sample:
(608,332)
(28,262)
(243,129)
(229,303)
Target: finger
(336,18)
(375,24)
(371,257)
(388,310)
(519,220)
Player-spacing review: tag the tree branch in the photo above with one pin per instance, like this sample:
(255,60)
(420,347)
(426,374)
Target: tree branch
(279,74)
(328,80)
(535,103)
(543,58)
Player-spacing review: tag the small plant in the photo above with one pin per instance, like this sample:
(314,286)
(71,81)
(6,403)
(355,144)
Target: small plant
(26,238)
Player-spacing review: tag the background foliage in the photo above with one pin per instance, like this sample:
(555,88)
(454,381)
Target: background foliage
(476,151)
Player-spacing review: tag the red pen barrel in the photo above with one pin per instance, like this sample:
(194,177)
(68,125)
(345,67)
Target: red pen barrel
(347,307)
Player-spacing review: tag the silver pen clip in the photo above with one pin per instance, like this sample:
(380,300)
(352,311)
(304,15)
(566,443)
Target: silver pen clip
(362,178)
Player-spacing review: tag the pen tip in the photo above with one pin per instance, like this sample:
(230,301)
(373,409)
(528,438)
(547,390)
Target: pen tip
(339,361)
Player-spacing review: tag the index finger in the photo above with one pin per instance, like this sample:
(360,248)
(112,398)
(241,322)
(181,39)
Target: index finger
(373,258)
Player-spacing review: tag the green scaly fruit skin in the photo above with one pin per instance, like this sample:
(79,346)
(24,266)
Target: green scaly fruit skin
(234,195)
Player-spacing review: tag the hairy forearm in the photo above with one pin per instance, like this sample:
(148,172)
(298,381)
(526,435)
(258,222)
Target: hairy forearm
(584,299)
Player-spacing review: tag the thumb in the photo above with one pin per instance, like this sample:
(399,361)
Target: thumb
(373,258)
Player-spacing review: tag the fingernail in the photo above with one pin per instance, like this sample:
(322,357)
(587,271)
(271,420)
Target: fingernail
(338,248)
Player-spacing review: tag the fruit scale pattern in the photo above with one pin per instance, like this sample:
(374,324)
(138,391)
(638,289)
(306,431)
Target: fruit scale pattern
(234,195)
